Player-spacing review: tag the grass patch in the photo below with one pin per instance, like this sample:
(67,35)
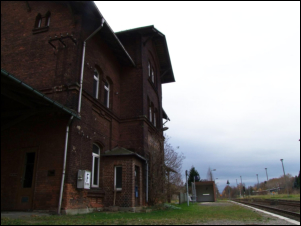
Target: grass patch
(185,215)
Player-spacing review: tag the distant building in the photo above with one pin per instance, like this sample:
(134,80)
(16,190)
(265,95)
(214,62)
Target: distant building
(205,191)
(75,94)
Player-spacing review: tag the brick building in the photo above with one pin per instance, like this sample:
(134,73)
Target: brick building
(77,96)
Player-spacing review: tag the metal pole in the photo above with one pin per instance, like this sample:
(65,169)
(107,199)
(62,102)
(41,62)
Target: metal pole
(266,170)
(236,184)
(257,182)
(240,186)
(187,189)
(284,176)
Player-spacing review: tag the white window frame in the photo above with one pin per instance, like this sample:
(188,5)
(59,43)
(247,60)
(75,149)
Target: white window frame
(96,77)
(40,22)
(107,89)
(115,171)
(95,156)
(153,75)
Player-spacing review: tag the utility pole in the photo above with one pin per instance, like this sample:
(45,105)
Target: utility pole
(240,186)
(236,185)
(284,177)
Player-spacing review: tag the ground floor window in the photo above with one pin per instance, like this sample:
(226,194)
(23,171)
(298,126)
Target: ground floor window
(118,178)
(95,165)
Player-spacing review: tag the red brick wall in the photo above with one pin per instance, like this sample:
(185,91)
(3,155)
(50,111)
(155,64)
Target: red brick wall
(31,59)
(47,136)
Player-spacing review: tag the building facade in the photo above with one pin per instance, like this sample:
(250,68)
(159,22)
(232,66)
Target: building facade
(75,96)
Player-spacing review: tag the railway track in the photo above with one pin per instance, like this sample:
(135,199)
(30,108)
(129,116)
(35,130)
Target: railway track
(290,209)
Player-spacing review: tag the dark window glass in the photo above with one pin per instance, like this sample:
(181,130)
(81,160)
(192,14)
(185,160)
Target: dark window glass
(29,166)
(94,88)
(95,149)
(118,177)
(95,170)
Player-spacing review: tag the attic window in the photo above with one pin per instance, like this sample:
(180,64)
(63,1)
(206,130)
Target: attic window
(41,23)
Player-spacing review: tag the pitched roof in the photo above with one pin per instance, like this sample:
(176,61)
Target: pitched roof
(91,11)
(160,43)
(120,151)
(20,101)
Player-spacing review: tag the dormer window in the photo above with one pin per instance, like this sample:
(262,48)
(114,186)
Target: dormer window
(42,23)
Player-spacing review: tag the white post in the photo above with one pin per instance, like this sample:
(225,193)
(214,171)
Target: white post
(187,189)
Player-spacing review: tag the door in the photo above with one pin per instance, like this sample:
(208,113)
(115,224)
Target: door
(137,180)
(27,179)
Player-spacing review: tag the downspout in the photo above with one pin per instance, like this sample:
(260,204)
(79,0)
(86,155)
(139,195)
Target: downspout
(64,166)
(146,192)
(83,64)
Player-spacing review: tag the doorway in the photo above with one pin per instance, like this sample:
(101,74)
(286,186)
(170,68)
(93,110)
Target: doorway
(27,180)
(137,182)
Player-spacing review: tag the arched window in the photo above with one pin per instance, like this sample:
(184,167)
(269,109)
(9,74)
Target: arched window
(107,94)
(153,75)
(95,165)
(95,84)
(155,117)
(42,23)
(150,113)
(149,69)
(38,22)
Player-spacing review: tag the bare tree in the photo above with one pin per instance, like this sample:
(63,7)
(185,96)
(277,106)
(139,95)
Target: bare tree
(165,165)
(173,166)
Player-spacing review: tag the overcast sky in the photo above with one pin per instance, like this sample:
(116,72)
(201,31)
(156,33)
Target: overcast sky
(235,105)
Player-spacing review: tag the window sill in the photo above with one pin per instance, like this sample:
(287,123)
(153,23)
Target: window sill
(40,30)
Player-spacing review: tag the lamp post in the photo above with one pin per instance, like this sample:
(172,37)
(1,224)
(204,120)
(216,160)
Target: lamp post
(257,182)
(216,187)
(211,173)
(228,188)
(284,176)
(266,171)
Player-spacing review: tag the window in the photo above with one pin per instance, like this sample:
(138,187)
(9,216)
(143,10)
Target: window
(95,84)
(153,75)
(149,69)
(150,113)
(107,94)
(155,121)
(118,178)
(95,165)
(42,23)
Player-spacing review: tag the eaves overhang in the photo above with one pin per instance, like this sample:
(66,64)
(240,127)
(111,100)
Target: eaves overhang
(165,116)
(161,47)
(90,10)
(18,91)
(120,151)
